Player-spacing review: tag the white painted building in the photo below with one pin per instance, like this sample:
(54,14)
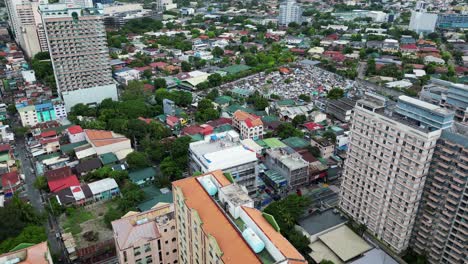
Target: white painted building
(290,11)
(78,48)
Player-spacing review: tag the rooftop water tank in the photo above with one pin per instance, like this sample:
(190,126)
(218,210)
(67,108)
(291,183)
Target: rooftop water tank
(253,240)
(209,186)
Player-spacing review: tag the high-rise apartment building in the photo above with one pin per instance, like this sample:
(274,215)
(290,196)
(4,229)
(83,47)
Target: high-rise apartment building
(26,24)
(290,11)
(441,227)
(216,223)
(147,237)
(384,174)
(78,49)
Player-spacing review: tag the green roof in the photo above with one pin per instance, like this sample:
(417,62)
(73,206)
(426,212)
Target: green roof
(261,143)
(70,147)
(223,128)
(108,158)
(274,143)
(155,196)
(197,137)
(336,129)
(22,246)
(58,129)
(233,108)
(5,157)
(48,156)
(269,118)
(119,167)
(295,142)
(141,174)
(286,102)
(243,92)
(234,69)
(223,99)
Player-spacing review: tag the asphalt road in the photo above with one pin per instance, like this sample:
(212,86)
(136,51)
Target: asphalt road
(37,200)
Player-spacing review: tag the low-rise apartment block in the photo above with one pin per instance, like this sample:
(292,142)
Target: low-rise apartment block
(147,237)
(33,114)
(216,223)
(326,147)
(341,109)
(224,151)
(250,126)
(291,166)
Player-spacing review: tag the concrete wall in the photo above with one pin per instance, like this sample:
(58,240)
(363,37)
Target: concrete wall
(93,95)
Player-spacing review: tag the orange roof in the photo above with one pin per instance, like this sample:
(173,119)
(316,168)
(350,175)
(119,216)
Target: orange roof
(36,254)
(280,242)
(219,176)
(101,138)
(215,223)
(251,120)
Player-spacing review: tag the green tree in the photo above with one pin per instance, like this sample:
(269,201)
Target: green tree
(160,83)
(147,74)
(217,52)
(286,130)
(335,93)
(111,215)
(371,67)
(299,120)
(215,79)
(40,183)
(325,261)
(304,97)
(137,160)
(329,135)
(186,67)
(213,94)
(30,234)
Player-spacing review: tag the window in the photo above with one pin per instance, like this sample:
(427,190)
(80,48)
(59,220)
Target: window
(147,247)
(136,251)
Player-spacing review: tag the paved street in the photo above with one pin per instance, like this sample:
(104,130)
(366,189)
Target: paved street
(35,196)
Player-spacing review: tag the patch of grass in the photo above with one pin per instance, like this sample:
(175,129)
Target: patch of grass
(75,218)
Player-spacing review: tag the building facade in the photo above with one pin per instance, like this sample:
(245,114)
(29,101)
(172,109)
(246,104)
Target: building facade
(249,126)
(291,166)
(385,171)
(452,21)
(224,151)
(147,237)
(25,22)
(441,230)
(423,22)
(290,11)
(32,115)
(78,49)
(216,223)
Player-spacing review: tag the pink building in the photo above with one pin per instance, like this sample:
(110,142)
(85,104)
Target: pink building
(147,237)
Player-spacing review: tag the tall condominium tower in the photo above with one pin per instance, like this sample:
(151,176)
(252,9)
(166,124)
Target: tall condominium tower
(26,24)
(290,11)
(216,223)
(441,227)
(387,164)
(78,48)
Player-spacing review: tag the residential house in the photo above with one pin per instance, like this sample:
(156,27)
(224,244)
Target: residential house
(86,166)
(291,166)
(100,190)
(61,178)
(26,253)
(326,147)
(250,126)
(6,158)
(10,183)
(76,134)
(142,177)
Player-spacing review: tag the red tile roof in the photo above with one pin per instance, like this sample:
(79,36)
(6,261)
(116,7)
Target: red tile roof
(10,178)
(75,130)
(50,133)
(63,183)
(101,138)
(313,126)
(5,147)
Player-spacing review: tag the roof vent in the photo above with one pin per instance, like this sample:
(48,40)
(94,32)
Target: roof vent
(209,186)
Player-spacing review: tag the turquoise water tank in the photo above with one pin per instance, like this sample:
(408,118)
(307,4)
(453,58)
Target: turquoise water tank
(253,240)
(209,186)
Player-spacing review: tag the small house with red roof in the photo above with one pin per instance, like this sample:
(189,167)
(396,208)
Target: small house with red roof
(172,121)
(60,179)
(75,134)
(311,126)
(49,141)
(409,48)
(10,183)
